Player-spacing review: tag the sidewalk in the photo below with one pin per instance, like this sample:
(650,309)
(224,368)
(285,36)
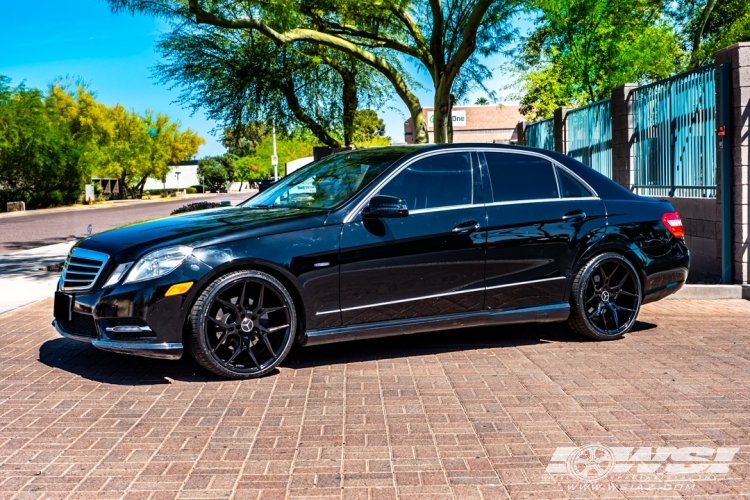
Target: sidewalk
(24,278)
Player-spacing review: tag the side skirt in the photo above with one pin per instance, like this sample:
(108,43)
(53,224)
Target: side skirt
(540,314)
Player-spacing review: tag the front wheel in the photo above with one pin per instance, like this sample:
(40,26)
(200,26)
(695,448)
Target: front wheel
(243,325)
(606,297)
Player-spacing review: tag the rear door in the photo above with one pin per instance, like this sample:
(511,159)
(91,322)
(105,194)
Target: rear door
(428,263)
(539,216)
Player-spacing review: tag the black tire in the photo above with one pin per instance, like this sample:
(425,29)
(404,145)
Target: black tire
(242,325)
(606,297)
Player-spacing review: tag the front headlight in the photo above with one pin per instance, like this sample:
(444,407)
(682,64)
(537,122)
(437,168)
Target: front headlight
(158,263)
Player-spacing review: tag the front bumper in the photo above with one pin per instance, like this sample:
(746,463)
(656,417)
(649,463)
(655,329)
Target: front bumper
(159,350)
(136,318)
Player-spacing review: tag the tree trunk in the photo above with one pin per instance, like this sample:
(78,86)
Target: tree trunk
(442,127)
(350,105)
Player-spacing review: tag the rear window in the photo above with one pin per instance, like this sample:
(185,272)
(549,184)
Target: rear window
(517,177)
(570,187)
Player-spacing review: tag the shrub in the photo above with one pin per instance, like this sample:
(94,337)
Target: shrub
(191,190)
(199,205)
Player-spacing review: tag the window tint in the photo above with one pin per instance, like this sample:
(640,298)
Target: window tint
(570,187)
(516,177)
(437,181)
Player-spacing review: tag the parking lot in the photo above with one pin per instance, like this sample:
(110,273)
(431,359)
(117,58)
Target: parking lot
(478,413)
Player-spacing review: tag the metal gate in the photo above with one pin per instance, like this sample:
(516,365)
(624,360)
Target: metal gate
(541,134)
(674,127)
(589,130)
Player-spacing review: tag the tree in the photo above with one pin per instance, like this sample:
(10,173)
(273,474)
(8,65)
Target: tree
(581,49)
(213,173)
(242,77)
(368,126)
(707,26)
(444,38)
(39,158)
(482,101)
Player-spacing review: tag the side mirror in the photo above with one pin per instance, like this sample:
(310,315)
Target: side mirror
(382,206)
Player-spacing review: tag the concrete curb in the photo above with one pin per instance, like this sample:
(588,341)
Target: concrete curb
(712,292)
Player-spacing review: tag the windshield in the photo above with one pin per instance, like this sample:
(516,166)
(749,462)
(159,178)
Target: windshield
(329,182)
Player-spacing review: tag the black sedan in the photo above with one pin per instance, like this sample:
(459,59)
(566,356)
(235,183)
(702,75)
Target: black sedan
(377,242)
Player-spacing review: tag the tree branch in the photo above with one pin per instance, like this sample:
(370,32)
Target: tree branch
(694,57)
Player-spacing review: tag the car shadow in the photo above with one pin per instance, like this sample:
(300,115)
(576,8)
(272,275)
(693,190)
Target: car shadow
(120,369)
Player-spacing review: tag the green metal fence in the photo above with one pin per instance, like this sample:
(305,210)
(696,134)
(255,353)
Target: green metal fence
(541,134)
(589,131)
(674,126)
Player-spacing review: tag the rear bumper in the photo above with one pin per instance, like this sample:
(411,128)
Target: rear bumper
(148,349)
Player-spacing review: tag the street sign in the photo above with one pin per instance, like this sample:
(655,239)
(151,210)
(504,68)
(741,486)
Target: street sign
(274,160)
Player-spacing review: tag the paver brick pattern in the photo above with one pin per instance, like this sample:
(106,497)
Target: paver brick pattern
(463,414)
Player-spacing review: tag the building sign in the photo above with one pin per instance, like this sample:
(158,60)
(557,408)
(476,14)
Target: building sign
(459,118)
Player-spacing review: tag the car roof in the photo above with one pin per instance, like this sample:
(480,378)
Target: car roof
(603,185)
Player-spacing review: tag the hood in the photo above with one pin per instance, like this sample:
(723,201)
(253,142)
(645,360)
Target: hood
(203,228)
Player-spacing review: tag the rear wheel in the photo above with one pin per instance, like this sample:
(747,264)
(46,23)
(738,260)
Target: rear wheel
(606,297)
(242,325)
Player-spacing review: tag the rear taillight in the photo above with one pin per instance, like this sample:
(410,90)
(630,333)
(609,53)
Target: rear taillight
(674,224)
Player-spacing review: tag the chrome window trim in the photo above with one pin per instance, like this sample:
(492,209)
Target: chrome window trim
(444,209)
(361,205)
(482,289)
(83,253)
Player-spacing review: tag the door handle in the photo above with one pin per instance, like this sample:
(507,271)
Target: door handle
(466,227)
(575,215)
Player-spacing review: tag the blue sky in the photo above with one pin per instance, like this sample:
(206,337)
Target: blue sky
(115,54)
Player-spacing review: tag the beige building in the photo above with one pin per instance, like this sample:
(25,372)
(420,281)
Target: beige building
(491,123)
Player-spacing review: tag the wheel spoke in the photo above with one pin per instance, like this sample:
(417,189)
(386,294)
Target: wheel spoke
(241,302)
(261,296)
(598,312)
(221,341)
(252,357)
(614,316)
(268,345)
(272,329)
(620,308)
(236,353)
(228,304)
(220,323)
(272,309)
(628,294)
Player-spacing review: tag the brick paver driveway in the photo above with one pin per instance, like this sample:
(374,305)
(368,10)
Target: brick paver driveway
(470,414)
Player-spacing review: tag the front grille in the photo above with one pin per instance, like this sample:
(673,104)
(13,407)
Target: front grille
(82,269)
(82,325)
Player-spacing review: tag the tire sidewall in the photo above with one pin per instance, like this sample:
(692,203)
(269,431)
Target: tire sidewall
(198,321)
(582,284)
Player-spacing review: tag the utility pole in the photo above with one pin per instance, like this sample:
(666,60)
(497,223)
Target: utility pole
(274,158)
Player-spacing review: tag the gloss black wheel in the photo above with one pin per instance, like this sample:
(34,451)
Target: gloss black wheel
(242,325)
(606,297)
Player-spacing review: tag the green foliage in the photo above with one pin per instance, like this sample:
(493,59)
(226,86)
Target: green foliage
(40,160)
(191,190)
(726,23)
(51,144)
(581,49)
(368,126)
(213,173)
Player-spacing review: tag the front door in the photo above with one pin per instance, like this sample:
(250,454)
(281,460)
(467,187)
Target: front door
(538,218)
(428,263)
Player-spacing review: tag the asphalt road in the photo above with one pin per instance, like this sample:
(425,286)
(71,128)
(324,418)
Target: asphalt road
(48,227)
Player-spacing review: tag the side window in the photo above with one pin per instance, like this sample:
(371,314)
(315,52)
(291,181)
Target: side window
(442,180)
(517,177)
(570,186)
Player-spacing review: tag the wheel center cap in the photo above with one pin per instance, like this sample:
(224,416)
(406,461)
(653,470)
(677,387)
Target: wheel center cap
(247,325)
(604,296)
